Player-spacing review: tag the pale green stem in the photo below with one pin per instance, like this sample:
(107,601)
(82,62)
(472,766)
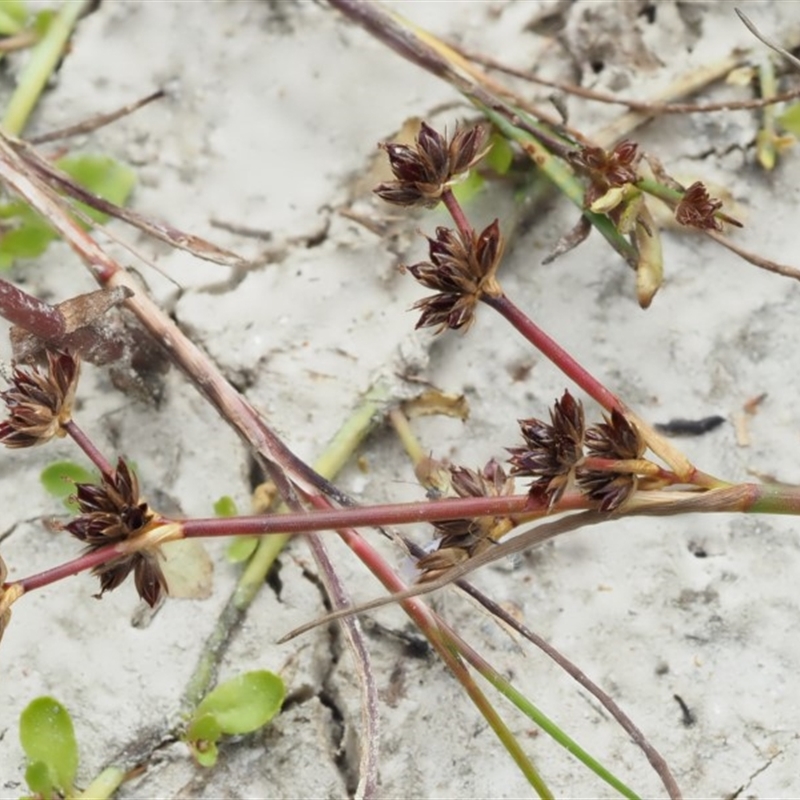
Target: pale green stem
(334,457)
(43,60)
(104,785)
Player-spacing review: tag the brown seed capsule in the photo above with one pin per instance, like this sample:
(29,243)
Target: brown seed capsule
(615,439)
(424,171)
(551,451)
(114,512)
(698,209)
(461,271)
(606,170)
(462,539)
(39,401)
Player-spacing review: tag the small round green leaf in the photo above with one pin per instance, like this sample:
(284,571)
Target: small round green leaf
(225,507)
(37,776)
(60,477)
(241,548)
(46,735)
(245,703)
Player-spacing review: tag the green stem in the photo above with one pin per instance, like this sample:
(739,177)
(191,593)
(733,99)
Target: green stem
(104,785)
(43,60)
(334,457)
(545,723)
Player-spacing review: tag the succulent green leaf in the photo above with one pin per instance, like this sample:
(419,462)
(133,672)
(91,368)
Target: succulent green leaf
(60,477)
(28,235)
(241,548)
(102,176)
(225,507)
(202,736)
(13,16)
(790,119)
(39,781)
(469,187)
(500,156)
(43,20)
(244,703)
(47,737)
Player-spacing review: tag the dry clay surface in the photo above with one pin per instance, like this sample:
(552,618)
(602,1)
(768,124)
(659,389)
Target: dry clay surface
(271,122)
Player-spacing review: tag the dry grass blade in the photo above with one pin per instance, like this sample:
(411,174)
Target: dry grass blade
(95,122)
(156,228)
(794,61)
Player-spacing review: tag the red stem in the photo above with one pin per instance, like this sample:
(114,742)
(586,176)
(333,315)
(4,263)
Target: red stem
(458,215)
(550,348)
(372,516)
(69,568)
(88,447)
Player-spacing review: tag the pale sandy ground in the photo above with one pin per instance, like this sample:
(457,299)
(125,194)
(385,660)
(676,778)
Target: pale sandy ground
(274,109)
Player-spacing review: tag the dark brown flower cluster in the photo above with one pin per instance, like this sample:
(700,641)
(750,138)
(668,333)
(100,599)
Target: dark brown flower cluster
(461,271)
(552,451)
(424,171)
(39,401)
(614,439)
(113,512)
(462,539)
(698,209)
(606,170)
(554,454)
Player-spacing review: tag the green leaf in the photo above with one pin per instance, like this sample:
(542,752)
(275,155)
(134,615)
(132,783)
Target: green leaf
(28,234)
(102,176)
(225,507)
(60,477)
(37,776)
(241,548)
(244,703)
(500,156)
(13,16)
(790,119)
(47,737)
(467,188)
(202,736)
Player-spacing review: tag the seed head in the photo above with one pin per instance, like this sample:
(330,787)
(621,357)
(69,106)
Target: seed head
(606,170)
(698,209)
(551,451)
(425,170)
(39,401)
(114,512)
(461,271)
(616,439)
(462,539)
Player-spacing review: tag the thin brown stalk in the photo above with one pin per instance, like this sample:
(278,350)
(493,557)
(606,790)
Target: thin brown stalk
(653,109)
(755,258)
(655,758)
(95,122)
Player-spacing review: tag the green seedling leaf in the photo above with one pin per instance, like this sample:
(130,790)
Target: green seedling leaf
(202,737)
(225,507)
(59,479)
(500,156)
(469,187)
(244,703)
(13,16)
(48,739)
(790,119)
(241,548)
(28,235)
(102,176)
(42,21)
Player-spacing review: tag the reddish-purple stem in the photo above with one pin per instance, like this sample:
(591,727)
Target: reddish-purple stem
(458,215)
(88,447)
(550,348)
(19,308)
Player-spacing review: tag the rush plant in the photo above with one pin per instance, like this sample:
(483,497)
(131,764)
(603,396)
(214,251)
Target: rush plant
(576,472)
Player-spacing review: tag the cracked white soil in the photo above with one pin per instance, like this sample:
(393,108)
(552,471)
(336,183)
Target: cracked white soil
(271,121)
